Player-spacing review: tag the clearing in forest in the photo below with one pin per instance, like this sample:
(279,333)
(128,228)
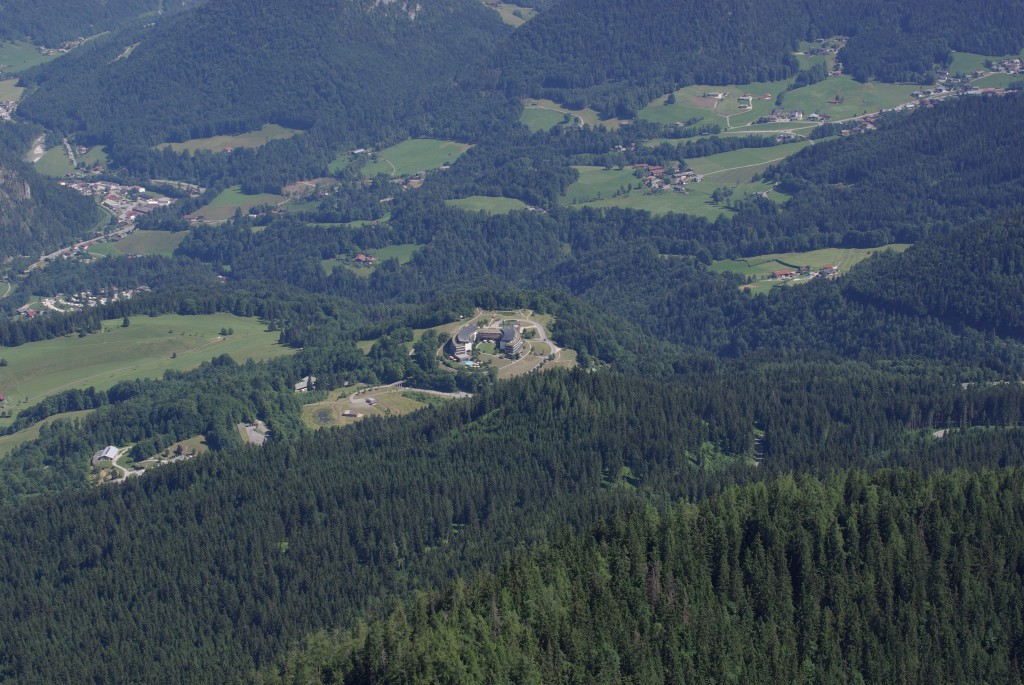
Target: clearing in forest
(142,242)
(17,56)
(257,138)
(146,348)
(413,156)
(491,205)
(762,267)
(543,115)
(223,207)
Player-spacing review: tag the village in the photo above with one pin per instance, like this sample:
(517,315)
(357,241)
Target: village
(657,177)
(125,203)
(62,304)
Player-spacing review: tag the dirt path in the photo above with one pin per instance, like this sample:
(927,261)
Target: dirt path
(745,166)
(8,291)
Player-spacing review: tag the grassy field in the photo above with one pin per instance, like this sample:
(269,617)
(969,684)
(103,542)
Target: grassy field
(18,56)
(808,61)
(142,242)
(763,265)
(857,98)
(743,159)
(693,102)
(10,91)
(256,138)
(402,252)
(538,119)
(415,155)
(969,62)
(390,402)
(598,183)
(598,186)
(340,162)
(491,205)
(142,350)
(998,80)
(552,109)
(9,443)
(697,102)
(515,15)
(55,163)
(224,205)
(95,155)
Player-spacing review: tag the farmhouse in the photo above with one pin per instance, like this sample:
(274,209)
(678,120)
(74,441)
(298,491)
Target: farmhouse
(108,453)
(783,273)
(306,384)
(508,339)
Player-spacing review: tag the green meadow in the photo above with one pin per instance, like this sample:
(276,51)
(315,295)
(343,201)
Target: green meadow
(142,242)
(95,155)
(855,98)
(256,138)
(17,56)
(9,443)
(413,156)
(223,207)
(969,62)
(539,119)
(491,205)
(10,91)
(145,349)
(761,267)
(599,187)
(55,163)
(602,187)
(539,113)
(743,161)
(402,252)
(698,102)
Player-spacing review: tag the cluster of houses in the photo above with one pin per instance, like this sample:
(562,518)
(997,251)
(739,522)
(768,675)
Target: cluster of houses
(787,115)
(658,178)
(827,271)
(126,203)
(66,46)
(62,303)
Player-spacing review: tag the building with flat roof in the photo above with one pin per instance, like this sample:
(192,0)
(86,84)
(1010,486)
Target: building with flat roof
(508,339)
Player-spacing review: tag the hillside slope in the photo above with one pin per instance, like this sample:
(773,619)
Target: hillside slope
(35,213)
(351,67)
(885,578)
(52,21)
(617,55)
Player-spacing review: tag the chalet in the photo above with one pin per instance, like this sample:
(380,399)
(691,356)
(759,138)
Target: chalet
(829,271)
(783,273)
(371,401)
(350,414)
(364,259)
(306,384)
(108,453)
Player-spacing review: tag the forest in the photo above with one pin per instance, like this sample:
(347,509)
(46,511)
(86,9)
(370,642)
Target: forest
(51,22)
(817,484)
(863,578)
(220,563)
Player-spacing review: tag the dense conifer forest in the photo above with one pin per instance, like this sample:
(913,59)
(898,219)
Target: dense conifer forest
(885,577)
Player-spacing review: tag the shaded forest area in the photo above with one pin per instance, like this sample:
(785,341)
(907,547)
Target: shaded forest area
(861,578)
